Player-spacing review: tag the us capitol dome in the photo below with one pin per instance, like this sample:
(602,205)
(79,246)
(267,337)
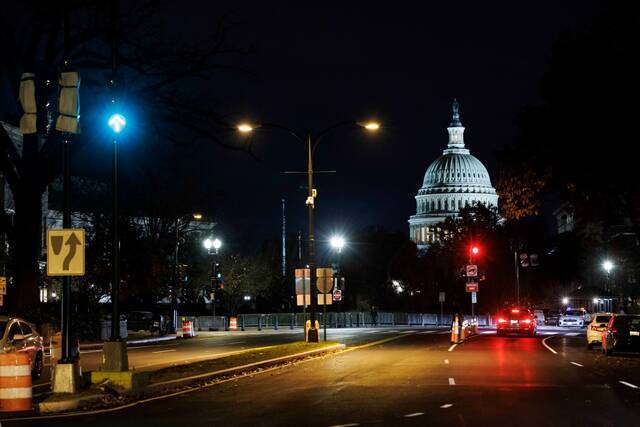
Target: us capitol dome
(453,180)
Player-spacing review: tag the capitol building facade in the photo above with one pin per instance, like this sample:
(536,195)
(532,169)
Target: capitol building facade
(453,180)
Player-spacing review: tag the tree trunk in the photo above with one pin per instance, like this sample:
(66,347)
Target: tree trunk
(26,250)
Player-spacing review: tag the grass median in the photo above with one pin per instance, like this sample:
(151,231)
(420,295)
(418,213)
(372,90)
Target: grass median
(245,357)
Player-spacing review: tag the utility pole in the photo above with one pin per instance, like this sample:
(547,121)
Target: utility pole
(311,194)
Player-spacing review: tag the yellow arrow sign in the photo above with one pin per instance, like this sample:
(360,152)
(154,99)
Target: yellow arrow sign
(65,252)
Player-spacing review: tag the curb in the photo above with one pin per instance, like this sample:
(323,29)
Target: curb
(66,405)
(237,369)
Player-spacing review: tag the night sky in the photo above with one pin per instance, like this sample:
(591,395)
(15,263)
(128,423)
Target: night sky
(401,63)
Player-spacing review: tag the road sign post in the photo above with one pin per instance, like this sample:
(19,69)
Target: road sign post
(324,284)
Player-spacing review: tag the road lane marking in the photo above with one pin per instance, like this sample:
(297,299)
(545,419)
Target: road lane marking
(452,347)
(577,364)
(407,332)
(415,414)
(452,381)
(628,384)
(446,361)
(544,343)
(163,351)
(446,405)
(428,332)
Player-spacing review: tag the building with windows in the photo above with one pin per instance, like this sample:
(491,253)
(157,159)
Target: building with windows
(453,180)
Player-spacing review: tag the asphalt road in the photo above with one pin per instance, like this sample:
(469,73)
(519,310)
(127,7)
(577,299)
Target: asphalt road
(416,379)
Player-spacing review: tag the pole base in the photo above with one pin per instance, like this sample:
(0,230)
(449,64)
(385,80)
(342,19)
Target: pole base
(66,377)
(311,334)
(114,356)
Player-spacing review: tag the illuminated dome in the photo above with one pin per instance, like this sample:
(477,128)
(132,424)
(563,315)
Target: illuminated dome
(453,180)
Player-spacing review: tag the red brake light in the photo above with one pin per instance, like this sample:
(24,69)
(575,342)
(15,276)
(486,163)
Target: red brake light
(526,321)
(515,310)
(501,320)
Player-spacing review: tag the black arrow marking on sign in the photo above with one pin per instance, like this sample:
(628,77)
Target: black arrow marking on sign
(73,242)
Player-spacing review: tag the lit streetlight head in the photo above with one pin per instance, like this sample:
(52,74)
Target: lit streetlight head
(244,128)
(371,126)
(337,242)
(596,300)
(197,216)
(208,243)
(217,244)
(565,300)
(117,122)
(608,266)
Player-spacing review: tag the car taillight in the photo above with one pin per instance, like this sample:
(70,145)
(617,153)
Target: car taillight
(614,330)
(526,321)
(515,310)
(501,320)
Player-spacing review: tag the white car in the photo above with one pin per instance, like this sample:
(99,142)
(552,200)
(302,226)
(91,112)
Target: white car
(578,318)
(596,328)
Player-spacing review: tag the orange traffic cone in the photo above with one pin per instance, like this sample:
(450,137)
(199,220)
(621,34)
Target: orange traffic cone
(455,330)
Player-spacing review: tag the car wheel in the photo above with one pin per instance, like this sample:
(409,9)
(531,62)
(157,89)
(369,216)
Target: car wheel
(36,372)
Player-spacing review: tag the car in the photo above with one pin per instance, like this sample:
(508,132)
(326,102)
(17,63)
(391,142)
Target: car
(19,335)
(622,333)
(577,318)
(146,321)
(516,321)
(551,317)
(596,327)
(539,316)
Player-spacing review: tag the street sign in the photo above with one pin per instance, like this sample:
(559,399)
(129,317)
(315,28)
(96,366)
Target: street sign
(337,295)
(524,260)
(325,279)
(441,297)
(472,287)
(472,270)
(303,281)
(65,252)
(3,285)
(474,297)
(325,299)
(303,299)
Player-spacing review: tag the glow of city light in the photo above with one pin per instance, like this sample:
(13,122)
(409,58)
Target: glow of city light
(244,128)
(608,266)
(117,122)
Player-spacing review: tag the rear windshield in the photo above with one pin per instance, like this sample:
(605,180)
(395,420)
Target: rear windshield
(602,319)
(519,315)
(573,313)
(631,321)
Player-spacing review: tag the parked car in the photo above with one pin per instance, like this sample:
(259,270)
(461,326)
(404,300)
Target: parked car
(577,318)
(539,316)
(551,317)
(20,335)
(621,334)
(516,321)
(596,328)
(146,321)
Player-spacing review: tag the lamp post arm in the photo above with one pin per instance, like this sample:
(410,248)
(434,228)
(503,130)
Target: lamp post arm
(284,128)
(322,133)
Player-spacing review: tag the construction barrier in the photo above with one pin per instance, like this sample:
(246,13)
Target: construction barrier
(15,382)
(187,329)
(233,323)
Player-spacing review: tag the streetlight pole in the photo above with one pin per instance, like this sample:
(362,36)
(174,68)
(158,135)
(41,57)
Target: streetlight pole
(311,143)
(174,296)
(115,287)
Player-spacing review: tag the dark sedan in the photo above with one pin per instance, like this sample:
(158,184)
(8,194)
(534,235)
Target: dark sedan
(621,334)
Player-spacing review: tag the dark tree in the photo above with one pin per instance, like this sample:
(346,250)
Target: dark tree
(156,73)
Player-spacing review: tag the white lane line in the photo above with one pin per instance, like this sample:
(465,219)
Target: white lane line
(446,405)
(446,361)
(628,384)
(370,332)
(452,381)
(415,414)
(163,351)
(407,332)
(577,364)
(544,343)
(452,347)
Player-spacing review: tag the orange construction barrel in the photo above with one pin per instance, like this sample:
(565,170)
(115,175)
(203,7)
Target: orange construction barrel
(15,382)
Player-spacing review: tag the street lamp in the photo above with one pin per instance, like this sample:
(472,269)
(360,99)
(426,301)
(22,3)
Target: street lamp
(608,266)
(337,243)
(565,301)
(175,285)
(311,142)
(216,244)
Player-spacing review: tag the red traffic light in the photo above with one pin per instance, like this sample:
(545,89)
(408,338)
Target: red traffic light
(475,250)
